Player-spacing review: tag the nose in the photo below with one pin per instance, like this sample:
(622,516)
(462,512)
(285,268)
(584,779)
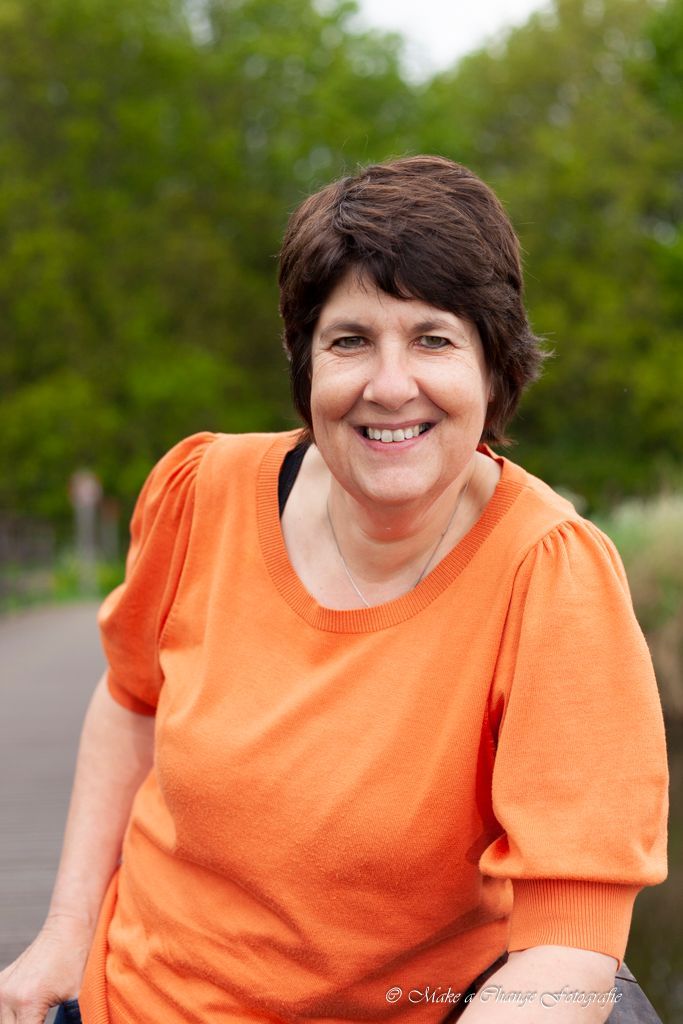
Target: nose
(391,382)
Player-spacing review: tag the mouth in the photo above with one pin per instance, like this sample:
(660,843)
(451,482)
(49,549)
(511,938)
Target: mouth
(387,436)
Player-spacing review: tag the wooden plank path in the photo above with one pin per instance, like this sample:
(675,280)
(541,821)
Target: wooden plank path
(50,661)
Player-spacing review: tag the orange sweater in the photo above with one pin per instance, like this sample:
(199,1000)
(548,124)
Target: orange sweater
(347,801)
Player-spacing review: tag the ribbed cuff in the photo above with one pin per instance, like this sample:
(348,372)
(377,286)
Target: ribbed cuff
(585,915)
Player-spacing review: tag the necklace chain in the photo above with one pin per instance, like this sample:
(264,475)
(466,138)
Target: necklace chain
(419,579)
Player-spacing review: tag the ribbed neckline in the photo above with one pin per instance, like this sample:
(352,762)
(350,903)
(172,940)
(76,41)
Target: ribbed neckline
(381,616)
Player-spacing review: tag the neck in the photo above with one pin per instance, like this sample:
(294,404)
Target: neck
(380,543)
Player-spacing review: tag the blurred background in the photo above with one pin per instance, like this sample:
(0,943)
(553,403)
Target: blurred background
(151,152)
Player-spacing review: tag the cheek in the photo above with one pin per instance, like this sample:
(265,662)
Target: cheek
(464,392)
(333,393)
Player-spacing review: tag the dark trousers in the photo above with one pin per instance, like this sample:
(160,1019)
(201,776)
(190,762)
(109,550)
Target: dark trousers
(68,1013)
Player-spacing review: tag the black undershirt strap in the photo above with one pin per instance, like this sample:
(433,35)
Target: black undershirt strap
(288,473)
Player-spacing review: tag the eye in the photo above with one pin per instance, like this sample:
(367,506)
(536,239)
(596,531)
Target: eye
(433,341)
(352,341)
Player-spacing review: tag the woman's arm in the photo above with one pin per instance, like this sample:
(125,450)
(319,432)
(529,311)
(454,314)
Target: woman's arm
(547,985)
(114,757)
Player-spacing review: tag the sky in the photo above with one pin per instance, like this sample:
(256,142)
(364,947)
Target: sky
(441,31)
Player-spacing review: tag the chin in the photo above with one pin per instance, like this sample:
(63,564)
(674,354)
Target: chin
(397,493)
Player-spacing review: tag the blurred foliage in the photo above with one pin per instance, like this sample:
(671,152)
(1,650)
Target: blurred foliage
(649,536)
(151,151)
(150,160)
(655,945)
(59,581)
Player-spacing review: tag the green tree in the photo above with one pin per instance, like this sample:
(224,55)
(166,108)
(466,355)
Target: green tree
(151,151)
(149,162)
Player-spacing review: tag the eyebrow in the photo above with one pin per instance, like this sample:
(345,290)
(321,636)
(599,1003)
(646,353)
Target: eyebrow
(353,327)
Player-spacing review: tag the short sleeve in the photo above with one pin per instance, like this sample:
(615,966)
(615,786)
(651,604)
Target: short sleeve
(132,618)
(580,775)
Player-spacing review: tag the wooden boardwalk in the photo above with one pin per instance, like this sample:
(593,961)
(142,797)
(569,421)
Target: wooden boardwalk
(50,661)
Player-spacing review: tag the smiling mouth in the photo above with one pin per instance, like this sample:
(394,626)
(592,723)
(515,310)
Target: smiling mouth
(392,436)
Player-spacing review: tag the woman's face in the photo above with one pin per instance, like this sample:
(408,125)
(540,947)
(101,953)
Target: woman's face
(391,368)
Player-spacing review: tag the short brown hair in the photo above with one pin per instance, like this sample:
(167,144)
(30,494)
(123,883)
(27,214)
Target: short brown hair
(421,227)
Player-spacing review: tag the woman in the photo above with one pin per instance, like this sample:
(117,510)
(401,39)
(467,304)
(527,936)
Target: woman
(375,693)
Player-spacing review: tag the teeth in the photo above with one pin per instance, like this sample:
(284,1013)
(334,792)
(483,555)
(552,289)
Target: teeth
(389,436)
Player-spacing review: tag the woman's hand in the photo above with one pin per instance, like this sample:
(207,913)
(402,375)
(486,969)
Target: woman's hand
(47,973)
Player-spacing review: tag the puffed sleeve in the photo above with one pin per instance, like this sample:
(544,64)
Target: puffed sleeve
(580,777)
(132,618)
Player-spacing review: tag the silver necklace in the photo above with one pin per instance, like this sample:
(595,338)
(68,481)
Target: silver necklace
(431,555)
